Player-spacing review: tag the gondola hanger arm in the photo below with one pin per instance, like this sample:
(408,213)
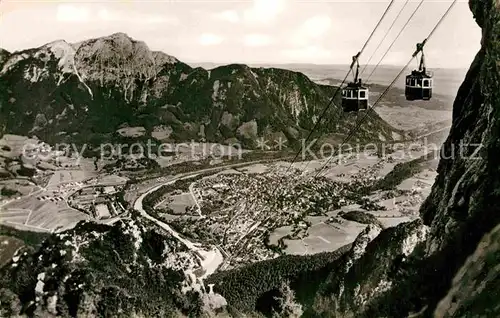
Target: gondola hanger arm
(355,60)
(420,48)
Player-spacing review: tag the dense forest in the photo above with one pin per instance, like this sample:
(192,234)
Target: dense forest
(255,287)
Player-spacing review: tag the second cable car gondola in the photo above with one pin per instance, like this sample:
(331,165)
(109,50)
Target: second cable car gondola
(419,83)
(355,95)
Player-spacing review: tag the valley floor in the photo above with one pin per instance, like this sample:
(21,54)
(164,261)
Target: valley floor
(238,213)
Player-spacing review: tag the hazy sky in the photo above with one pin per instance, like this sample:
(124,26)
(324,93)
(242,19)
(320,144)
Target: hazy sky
(258,31)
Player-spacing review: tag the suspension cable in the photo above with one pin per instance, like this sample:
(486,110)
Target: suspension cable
(419,49)
(378,100)
(394,41)
(332,99)
(385,36)
(378,24)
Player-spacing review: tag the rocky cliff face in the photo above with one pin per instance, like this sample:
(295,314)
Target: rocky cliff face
(85,92)
(460,211)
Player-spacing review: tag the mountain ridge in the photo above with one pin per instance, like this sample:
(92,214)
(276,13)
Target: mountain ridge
(120,79)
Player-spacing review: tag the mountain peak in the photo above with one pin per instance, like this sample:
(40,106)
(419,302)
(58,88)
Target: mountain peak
(119,35)
(59,42)
(128,77)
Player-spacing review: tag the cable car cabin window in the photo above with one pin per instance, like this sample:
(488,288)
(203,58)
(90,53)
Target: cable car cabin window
(362,94)
(426,83)
(408,82)
(419,82)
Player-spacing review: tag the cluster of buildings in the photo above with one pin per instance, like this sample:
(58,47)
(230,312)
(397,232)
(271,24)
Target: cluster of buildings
(242,209)
(100,201)
(246,206)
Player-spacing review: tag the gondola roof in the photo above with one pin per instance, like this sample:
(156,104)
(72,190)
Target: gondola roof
(352,85)
(422,74)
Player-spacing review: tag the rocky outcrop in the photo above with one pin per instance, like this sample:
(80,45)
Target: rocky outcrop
(369,269)
(128,269)
(459,212)
(4,55)
(105,83)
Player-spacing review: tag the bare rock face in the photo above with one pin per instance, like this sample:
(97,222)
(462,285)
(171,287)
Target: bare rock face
(463,205)
(477,283)
(115,59)
(249,129)
(97,270)
(461,209)
(369,270)
(467,181)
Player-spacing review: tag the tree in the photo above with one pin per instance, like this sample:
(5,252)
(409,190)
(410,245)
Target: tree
(288,306)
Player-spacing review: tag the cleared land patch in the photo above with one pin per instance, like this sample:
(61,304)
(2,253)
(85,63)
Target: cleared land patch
(40,214)
(179,203)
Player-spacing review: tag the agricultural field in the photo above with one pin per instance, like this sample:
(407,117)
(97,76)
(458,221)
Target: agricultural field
(257,168)
(61,177)
(44,211)
(178,203)
(21,186)
(324,235)
(410,117)
(179,153)
(320,236)
(111,180)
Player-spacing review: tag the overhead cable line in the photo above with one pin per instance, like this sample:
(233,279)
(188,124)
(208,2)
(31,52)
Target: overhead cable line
(420,47)
(385,36)
(376,27)
(332,99)
(394,41)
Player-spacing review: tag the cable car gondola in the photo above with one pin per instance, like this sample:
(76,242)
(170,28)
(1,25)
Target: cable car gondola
(419,83)
(355,95)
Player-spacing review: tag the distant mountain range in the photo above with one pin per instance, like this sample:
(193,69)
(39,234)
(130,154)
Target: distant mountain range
(96,90)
